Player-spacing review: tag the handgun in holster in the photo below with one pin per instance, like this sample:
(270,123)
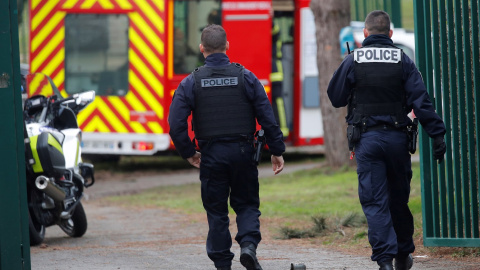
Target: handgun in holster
(258,144)
(353,136)
(412,132)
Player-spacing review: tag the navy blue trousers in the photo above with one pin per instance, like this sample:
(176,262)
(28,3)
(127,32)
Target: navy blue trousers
(227,170)
(384,176)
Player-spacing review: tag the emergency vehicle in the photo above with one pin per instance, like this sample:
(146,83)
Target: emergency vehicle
(134,53)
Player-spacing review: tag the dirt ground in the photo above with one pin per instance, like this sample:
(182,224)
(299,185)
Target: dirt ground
(153,238)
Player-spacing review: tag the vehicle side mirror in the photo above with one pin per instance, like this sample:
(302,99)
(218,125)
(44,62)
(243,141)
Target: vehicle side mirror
(85,97)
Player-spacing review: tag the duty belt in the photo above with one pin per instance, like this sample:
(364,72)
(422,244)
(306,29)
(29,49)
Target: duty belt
(385,127)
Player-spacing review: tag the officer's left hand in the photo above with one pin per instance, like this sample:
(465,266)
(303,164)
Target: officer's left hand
(439,148)
(195,160)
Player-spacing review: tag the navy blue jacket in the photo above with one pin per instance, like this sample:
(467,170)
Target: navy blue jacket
(183,103)
(343,81)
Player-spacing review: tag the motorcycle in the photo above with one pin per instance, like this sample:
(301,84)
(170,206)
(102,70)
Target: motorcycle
(56,176)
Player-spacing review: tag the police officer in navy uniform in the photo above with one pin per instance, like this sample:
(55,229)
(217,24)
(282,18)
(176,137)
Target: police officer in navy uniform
(225,99)
(381,85)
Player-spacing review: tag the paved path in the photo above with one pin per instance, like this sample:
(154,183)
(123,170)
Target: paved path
(132,238)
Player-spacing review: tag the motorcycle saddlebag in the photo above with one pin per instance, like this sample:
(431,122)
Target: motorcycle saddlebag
(48,154)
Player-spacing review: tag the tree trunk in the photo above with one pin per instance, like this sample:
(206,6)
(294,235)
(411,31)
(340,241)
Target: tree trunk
(330,17)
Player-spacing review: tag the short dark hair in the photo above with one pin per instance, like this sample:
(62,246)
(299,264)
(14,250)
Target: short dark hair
(214,38)
(378,22)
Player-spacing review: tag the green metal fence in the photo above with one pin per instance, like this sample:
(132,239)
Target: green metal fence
(14,241)
(447,46)
(360,8)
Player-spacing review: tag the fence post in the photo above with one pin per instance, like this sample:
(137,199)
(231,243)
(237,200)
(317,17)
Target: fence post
(14,241)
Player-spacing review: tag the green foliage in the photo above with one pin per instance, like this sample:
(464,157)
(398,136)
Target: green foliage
(353,220)
(466,252)
(323,225)
(290,233)
(319,224)
(360,235)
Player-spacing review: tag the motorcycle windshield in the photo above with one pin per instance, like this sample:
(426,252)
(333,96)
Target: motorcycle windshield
(40,84)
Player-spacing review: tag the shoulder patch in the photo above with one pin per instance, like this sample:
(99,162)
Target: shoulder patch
(377,55)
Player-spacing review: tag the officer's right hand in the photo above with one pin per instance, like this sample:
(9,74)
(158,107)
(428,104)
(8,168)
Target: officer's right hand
(439,148)
(195,160)
(277,164)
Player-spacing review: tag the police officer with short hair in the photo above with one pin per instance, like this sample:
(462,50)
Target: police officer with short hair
(225,99)
(381,85)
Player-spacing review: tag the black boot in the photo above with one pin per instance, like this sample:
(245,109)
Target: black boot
(248,256)
(404,263)
(224,268)
(386,265)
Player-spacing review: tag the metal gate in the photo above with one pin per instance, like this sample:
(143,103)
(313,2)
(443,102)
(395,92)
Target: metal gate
(447,46)
(360,8)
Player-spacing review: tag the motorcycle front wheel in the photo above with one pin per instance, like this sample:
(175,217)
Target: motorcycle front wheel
(75,226)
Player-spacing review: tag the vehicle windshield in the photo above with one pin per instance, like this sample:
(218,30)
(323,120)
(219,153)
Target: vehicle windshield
(189,19)
(96,53)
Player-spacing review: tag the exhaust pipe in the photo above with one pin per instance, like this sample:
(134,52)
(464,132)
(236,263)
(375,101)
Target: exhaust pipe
(51,189)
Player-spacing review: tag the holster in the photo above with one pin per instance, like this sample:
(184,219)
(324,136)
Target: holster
(412,132)
(258,143)
(353,136)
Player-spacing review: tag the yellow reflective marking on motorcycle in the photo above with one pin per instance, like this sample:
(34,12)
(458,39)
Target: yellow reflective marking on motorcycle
(53,142)
(147,95)
(151,15)
(155,127)
(77,153)
(46,30)
(37,166)
(96,124)
(147,31)
(108,114)
(42,13)
(144,71)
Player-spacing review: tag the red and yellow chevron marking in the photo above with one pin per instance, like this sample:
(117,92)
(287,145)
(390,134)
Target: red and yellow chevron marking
(146,55)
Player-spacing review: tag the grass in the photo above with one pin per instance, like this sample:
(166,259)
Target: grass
(320,204)
(294,198)
(407,14)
